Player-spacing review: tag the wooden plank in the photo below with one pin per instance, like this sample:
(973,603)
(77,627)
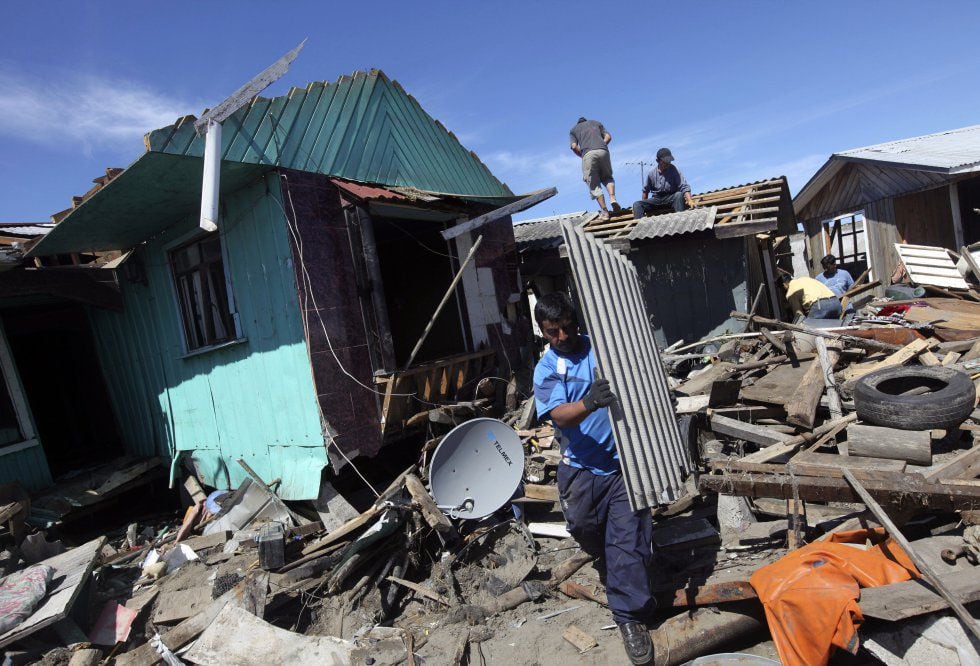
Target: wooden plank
(830,384)
(915,493)
(541,492)
(914,446)
(778,385)
(430,512)
(901,357)
(801,409)
(785,448)
(181,604)
(422,591)
(210,541)
(749,432)
(956,466)
(581,640)
(71,570)
(511,208)
(829,464)
(910,598)
(921,564)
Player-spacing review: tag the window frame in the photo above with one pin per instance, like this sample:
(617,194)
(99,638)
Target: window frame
(232,321)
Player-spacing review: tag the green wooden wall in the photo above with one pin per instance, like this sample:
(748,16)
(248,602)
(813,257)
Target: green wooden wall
(254,400)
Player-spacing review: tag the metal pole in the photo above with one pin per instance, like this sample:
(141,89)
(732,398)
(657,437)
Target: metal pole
(442,303)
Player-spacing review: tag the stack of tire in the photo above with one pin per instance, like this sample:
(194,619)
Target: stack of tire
(915,398)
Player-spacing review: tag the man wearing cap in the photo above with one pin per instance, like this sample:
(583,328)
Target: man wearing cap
(664,186)
(590,141)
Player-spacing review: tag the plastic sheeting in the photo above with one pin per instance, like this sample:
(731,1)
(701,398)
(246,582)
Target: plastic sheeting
(811,595)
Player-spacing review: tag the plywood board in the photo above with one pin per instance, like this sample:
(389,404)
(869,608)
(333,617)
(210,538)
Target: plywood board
(777,387)
(71,570)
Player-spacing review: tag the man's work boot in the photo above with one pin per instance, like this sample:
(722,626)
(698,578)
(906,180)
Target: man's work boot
(615,206)
(636,640)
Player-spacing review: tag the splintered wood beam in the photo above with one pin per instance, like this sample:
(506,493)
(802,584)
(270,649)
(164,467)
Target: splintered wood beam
(749,432)
(904,489)
(854,341)
(921,564)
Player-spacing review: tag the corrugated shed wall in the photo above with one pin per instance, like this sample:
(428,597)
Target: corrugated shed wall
(254,399)
(28,467)
(363,127)
(652,455)
(691,284)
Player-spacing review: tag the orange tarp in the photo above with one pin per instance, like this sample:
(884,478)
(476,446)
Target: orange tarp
(810,595)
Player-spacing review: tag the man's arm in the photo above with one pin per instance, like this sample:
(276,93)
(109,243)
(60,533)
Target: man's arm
(575,149)
(686,189)
(607,137)
(795,301)
(571,414)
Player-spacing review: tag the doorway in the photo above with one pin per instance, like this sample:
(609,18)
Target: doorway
(56,360)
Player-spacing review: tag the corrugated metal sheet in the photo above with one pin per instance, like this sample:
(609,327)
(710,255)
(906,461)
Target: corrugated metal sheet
(28,467)
(541,233)
(673,224)
(652,453)
(254,400)
(952,151)
(363,127)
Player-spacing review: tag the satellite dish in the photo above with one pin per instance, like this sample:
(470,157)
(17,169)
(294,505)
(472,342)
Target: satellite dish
(476,468)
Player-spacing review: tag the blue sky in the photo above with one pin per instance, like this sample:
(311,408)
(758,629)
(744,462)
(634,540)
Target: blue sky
(738,90)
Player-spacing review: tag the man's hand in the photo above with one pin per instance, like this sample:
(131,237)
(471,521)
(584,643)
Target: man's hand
(688,200)
(599,395)
(576,150)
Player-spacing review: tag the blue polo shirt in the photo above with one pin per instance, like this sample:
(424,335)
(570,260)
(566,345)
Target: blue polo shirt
(838,283)
(561,378)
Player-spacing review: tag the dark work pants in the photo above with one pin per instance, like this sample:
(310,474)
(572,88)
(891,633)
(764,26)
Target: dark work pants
(599,516)
(644,206)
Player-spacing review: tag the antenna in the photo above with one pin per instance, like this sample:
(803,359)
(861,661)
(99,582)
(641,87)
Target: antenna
(643,165)
(209,125)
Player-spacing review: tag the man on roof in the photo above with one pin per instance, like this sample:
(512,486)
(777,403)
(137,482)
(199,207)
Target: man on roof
(590,483)
(665,186)
(590,141)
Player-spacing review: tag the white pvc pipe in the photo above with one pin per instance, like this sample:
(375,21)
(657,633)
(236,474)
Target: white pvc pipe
(212,177)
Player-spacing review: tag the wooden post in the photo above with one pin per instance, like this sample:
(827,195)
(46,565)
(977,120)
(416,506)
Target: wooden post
(833,397)
(914,446)
(801,410)
(923,566)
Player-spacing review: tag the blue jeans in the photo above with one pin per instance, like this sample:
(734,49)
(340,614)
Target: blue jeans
(598,513)
(825,308)
(645,206)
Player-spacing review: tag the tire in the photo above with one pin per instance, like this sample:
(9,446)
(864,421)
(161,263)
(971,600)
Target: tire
(878,400)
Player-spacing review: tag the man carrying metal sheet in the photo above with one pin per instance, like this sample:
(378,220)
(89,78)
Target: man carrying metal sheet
(590,484)
(590,141)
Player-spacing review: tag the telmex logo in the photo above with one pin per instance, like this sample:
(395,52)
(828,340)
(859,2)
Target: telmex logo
(503,454)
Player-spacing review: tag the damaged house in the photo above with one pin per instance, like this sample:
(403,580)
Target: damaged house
(696,266)
(924,190)
(288,337)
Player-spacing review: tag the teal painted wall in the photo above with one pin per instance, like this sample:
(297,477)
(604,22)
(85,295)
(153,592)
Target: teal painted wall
(28,467)
(254,400)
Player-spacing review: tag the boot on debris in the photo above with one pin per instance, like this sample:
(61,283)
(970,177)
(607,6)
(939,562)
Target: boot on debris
(636,640)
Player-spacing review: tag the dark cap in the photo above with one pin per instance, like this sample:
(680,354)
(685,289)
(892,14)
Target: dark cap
(663,155)
(581,119)
(829,259)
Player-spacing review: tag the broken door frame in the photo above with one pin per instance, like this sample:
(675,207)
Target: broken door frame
(25,419)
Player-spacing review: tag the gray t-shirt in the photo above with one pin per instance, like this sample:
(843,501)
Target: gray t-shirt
(588,136)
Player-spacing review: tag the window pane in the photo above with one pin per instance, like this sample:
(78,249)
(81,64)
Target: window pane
(202,293)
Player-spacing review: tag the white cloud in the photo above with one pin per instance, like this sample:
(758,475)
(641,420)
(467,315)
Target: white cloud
(85,110)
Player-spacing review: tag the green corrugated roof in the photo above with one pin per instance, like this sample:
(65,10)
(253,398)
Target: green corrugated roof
(363,127)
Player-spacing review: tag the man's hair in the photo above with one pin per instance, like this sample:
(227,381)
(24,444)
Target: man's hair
(784,279)
(581,119)
(556,307)
(829,259)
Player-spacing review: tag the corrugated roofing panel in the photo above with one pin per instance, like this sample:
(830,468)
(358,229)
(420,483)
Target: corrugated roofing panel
(363,127)
(955,150)
(541,233)
(673,224)
(25,229)
(652,454)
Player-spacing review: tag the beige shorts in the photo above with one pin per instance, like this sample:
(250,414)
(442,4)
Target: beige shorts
(597,171)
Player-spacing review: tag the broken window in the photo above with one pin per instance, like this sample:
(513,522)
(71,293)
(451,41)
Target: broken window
(202,293)
(9,425)
(846,237)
